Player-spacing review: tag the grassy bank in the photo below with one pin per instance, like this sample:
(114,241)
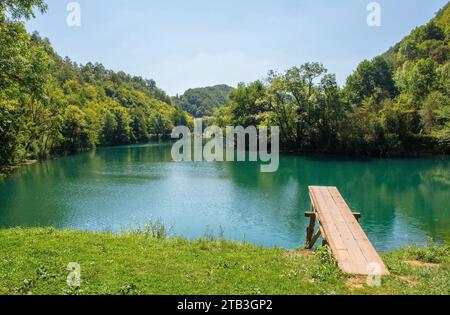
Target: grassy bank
(34,261)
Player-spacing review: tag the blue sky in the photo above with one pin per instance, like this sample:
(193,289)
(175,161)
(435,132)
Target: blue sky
(192,43)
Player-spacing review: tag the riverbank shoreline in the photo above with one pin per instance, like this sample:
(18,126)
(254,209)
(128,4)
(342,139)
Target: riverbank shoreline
(8,170)
(35,261)
(11,169)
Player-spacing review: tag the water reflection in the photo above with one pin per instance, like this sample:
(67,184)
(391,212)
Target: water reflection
(402,201)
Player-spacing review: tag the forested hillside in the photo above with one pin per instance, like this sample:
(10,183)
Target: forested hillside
(51,106)
(395,104)
(202,102)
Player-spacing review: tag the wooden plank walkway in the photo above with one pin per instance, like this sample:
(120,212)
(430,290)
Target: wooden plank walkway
(341,230)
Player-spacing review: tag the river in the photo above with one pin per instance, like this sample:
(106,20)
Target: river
(403,202)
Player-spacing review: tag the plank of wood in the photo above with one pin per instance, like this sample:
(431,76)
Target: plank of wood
(349,244)
(332,214)
(360,236)
(358,233)
(358,260)
(330,233)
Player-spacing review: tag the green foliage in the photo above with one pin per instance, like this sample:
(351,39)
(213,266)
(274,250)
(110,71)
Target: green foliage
(370,78)
(22,85)
(19,9)
(326,269)
(9,143)
(243,106)
(418,78)
(139,125)
(117,127)
(395,104)
(160,125)
(51,106)
(202,102)
(153,230)
(143,263)
(430,254)
(76,130)
(436,117)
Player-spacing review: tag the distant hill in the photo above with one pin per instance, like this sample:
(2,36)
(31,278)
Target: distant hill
(408,87)
(202,102)
(51,106)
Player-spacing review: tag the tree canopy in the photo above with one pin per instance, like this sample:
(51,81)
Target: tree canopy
(19,9)
(397,103)
(394,104)
(202,102)
(50,105)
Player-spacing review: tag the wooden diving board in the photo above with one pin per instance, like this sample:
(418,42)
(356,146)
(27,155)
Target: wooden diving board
(340,229)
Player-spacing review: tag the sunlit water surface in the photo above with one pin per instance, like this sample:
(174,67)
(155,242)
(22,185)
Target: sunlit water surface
(403,202)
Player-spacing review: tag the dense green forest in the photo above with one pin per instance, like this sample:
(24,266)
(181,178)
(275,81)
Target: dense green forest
(202,102)
(51,106)
(395,104)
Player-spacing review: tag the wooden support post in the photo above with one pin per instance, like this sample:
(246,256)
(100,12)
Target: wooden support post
(314,240)
(310,229)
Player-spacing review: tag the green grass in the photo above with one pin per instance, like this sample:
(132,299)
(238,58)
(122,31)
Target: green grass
(34,261)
